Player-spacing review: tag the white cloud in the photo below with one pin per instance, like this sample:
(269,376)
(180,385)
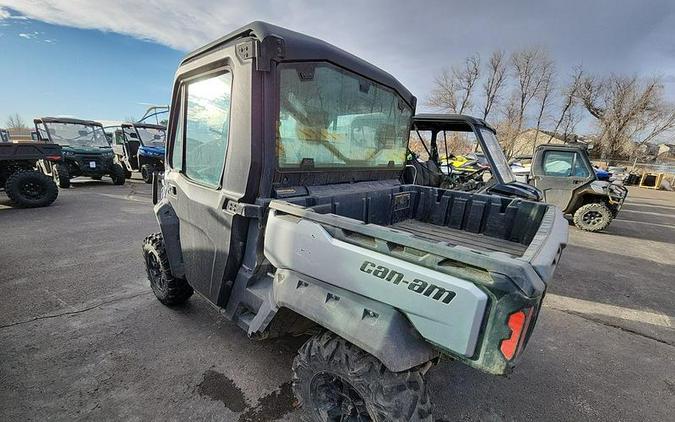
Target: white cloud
(30,35)
(411,40)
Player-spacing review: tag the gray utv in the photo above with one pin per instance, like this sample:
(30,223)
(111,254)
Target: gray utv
(566,177)
(281,204)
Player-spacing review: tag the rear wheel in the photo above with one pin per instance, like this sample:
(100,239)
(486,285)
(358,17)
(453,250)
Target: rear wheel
(30,189)
(334,380)
(61,175)
(593,217)
(117,174)
(168,289)
(146,172)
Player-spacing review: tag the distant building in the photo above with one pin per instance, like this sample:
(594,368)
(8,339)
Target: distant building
(524,143)
(665,153)
(20,134)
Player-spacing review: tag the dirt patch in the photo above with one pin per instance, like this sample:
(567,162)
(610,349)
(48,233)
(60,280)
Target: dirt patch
(272,406)
(217,386)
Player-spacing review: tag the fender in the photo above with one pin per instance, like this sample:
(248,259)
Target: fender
(169,225)
(377,328)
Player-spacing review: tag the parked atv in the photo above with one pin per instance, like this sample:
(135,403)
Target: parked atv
(140,147)
(86,151)
(282,205)
(565,175)
(23,183)
(486,171)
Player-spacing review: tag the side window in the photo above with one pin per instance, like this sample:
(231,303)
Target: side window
(207,128)
(177,148)
(580,169)
(558,163)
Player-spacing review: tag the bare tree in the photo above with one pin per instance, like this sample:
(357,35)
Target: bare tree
(443,95)
(454,88)
(546,87)
(568,116)
(14,121)
(466,77)
(530,66)
(629,112)
(496,78)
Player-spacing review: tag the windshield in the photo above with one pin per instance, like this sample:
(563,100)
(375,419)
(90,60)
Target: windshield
(331,118)
(151,136)
(77,134)
(497,154)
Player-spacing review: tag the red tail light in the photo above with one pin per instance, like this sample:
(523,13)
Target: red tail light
(517,322)
(53,157)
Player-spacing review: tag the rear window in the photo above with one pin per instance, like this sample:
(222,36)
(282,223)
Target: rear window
(332,118)
(564,164)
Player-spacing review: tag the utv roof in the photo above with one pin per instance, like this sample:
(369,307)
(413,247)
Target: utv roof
(579,145)
(294,46)
(454,122)
(139,124)
(65,120)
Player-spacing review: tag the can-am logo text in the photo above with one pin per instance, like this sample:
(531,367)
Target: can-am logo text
(416,285)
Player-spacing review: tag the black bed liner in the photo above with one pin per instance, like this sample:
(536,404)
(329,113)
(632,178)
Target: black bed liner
(479,242)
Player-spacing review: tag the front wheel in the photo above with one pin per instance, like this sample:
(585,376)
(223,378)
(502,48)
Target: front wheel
(61,175)
(593,217)
(117,174)
(169,290)
(333,380)
(146,172)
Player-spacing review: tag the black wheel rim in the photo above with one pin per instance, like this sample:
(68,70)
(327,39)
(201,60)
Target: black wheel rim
(335,399)
(592,218)
(155,271)
(32,190)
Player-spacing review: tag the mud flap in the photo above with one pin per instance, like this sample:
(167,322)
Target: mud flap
(169,226)
(377,328)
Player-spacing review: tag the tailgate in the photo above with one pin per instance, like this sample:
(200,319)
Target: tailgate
(446,310)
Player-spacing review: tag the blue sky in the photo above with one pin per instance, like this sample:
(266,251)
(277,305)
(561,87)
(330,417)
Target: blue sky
(57,70)
(100,59)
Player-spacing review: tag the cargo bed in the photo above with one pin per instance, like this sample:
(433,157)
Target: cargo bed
(494,254)
(487,232)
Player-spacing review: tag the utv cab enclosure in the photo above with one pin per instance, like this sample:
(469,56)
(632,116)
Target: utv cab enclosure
(282,205)
(565,175)
(86,150)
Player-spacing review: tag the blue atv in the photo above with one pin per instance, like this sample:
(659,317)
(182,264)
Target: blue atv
(141,147)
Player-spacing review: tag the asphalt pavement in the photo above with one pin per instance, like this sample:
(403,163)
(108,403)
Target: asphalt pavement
(83,338)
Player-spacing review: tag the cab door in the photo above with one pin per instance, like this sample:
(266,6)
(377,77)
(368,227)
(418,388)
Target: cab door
(194,183)
(558,173)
